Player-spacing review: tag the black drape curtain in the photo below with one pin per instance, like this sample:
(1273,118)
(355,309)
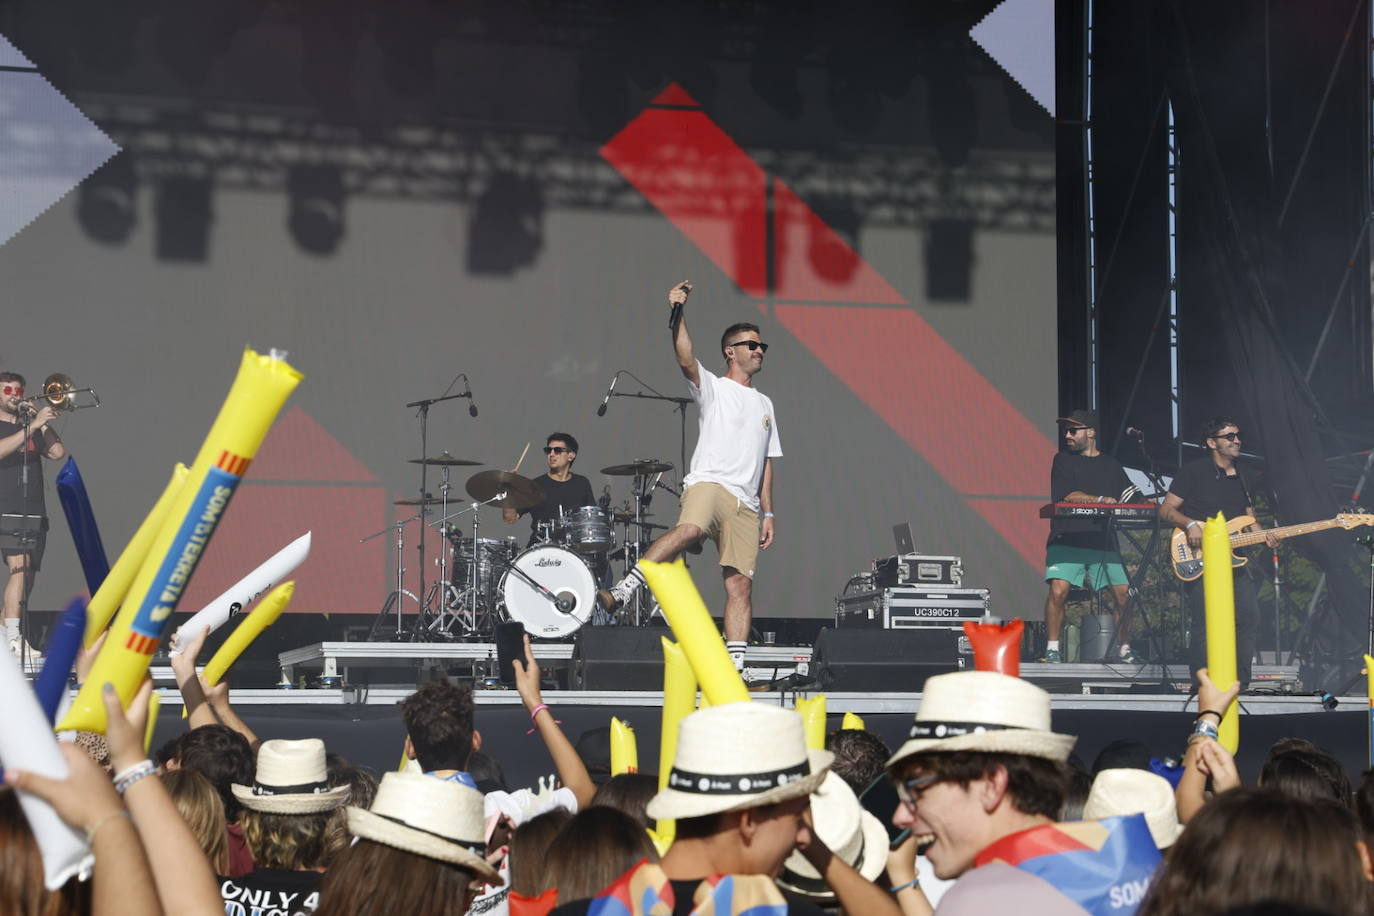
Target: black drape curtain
(1234,276)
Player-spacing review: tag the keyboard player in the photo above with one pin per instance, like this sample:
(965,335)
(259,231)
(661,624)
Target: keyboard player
(1083,550)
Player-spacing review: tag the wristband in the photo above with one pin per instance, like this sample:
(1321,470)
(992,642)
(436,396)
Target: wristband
(92,830)
(768,515)
(1209,712)
(914,882)
(133,774)
(535,711)
(1191,524)
(1204,729)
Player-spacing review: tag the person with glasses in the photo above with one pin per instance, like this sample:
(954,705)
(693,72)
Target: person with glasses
(728,494)
(1202,489)
(1082,551)
(563,490)
(26,437)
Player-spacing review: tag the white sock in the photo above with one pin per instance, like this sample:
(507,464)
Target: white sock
(12,628)
(1125,648)
(633,580)
(737,650)
(1052,645)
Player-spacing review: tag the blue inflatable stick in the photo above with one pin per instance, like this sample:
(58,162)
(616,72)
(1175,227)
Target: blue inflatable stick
(76,505)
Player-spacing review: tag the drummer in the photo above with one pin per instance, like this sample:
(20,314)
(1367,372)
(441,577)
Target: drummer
(563,490)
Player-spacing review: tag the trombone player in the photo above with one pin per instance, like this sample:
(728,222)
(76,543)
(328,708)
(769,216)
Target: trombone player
(26,437)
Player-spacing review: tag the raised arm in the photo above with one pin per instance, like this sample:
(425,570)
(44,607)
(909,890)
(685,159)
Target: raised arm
(571,770)
(682,341)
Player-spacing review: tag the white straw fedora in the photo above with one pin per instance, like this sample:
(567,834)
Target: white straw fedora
(429,817)
(1131,791)
(291,778)
(736,756)
(847,830)
(984,711)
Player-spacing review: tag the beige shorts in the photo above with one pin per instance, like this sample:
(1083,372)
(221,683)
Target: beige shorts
(727,521)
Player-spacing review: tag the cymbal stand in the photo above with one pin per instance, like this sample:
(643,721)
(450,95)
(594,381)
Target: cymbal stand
(679,406)
(396,599)
(442,590)
(470,621)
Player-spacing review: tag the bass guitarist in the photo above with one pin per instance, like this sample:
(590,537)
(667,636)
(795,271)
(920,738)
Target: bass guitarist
(1202,489)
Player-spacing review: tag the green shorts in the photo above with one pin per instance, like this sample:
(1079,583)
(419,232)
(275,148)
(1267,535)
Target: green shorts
(1075,564)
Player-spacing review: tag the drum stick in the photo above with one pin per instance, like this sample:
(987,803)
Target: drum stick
(521,460)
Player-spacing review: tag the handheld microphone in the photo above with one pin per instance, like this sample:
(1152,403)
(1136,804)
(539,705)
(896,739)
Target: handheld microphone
(467,393)
(601,411)
(675,317)
(1135,433)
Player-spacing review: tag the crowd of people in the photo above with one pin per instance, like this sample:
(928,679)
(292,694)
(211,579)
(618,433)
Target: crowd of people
(987,810)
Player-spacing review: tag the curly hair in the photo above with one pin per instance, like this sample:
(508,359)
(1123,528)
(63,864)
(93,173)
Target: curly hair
(439,721)
(222,756)
(290,841)
(860,756)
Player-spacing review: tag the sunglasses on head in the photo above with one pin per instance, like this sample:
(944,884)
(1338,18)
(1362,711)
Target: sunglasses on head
(16,390)
(555,450)
(751,344)
(1229,437)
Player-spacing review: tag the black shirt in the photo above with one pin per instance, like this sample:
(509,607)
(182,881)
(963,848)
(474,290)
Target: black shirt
(1206,490)
(272,892)
(1101,475)
(559,496)
(682,903)
(11,466)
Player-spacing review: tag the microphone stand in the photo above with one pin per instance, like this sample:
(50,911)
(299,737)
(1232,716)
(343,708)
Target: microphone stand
(422,411)
(679,405)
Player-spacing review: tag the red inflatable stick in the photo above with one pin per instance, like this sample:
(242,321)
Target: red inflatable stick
(996,646)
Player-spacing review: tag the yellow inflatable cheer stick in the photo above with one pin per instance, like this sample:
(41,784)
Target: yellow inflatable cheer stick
(1369,675)
(812,711)
(1218,589)
(249,629)
(679,698)
(624,748)
(695,631)
(154,704)
(107,598)
(254,400)
(852,722)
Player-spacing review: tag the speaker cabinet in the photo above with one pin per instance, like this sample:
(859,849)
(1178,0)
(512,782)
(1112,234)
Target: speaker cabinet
(889,661)
(618,658)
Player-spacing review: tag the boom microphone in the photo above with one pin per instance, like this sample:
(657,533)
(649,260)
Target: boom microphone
(601,411)
(1135,433)
(472,405)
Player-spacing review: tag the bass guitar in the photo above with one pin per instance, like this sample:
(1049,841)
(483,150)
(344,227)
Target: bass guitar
(1188,562)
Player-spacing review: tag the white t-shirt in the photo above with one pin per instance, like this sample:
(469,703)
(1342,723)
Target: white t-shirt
(736,433)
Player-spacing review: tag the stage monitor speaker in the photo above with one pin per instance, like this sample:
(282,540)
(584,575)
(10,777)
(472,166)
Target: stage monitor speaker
(618,658)
(895,661)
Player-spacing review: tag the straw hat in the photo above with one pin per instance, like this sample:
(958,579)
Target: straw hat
(1132,791)
(291,778)
(847,830)
(984,711)
(429,817)
(736,756)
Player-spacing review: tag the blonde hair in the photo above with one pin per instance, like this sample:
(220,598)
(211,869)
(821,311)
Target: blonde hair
(290,841)
(200,806)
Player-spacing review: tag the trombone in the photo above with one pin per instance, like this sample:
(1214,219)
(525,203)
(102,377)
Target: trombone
(60,393)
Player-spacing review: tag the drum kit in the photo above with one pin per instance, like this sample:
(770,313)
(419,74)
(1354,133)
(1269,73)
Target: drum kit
(550,586)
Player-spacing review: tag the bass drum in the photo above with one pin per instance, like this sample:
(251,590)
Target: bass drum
(560,571)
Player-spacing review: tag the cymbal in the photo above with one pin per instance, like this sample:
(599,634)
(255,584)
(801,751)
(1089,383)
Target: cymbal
(448,461)
(428,501)
(639,468)
(521,492)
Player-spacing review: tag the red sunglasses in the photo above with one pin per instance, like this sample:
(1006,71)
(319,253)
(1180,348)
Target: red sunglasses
(16,390)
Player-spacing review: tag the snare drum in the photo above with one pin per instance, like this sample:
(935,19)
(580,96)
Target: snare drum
(587,530)
(563,573)
(493,555)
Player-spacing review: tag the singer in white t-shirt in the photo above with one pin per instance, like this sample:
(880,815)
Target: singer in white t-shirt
(728,494)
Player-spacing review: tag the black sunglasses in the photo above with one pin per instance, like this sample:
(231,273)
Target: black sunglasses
(555,450)
(751,344)
(1070,430)
(1229,437)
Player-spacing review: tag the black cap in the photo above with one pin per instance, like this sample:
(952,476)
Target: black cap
(1086,418)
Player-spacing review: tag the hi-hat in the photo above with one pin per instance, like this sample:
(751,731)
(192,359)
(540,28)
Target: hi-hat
(447,460)
(639,468)
(521,492)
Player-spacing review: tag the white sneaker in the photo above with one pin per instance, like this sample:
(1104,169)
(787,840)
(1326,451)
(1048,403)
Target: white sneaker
(23,650)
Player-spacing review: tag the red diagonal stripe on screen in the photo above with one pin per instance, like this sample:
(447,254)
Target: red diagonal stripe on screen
(805,248)
(932,397)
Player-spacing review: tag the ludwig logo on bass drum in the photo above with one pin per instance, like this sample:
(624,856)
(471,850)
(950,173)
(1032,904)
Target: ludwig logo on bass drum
(548,561)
